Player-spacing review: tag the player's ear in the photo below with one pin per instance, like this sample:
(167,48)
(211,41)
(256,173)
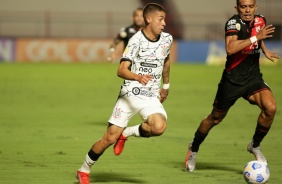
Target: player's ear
(148,19)
(236,8)
(256,7)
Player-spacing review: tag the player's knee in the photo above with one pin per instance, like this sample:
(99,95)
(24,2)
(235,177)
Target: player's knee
(159,128)
(215,120)
(270,109)
(108,141)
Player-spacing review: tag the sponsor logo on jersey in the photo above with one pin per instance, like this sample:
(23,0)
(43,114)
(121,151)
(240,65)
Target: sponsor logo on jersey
(145,70)
(149,65)
(250,51)
(231,24)
(136,90)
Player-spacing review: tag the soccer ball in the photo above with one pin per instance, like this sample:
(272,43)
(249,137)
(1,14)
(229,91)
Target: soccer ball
(256,172)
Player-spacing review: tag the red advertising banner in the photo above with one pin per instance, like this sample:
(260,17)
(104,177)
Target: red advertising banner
(67,50)
(61,50)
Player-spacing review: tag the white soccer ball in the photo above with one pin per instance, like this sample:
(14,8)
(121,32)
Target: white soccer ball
(256,172)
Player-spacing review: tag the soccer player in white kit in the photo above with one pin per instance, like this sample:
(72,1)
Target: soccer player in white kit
(144,64)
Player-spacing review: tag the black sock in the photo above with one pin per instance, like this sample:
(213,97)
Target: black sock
(93,156)
(260,133)
(198,139)
(142,132)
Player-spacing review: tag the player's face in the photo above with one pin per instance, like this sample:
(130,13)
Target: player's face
(246,9)
(158,22)
(138,18)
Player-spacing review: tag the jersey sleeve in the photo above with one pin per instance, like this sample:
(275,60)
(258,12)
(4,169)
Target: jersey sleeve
(232,27)
(122,34)
(171,40)
(131,50)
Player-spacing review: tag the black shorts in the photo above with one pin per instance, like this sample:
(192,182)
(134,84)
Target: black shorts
(228,93)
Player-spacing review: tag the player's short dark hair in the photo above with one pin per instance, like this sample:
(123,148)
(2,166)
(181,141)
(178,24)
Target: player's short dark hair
(237,1)
(151,7)
(137,9)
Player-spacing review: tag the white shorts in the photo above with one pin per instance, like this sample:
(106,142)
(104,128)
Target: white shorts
(126,107)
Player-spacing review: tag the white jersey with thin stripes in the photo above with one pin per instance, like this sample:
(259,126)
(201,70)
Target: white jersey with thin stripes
(147,57)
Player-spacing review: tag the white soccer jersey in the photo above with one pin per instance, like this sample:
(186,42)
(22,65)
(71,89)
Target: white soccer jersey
(147,57)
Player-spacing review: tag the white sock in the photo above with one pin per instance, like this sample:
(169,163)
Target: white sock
(86,166)
(131,131)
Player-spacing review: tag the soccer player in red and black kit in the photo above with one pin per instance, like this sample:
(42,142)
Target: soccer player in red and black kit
(126,33)
(244,37)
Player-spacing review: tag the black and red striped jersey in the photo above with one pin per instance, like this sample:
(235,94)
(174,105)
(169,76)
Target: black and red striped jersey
(244,65)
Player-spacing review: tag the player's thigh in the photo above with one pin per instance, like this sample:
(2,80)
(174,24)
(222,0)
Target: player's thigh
(259,93)
(125,108)
(226,96)
(264,99)
(152,106)
(157,122)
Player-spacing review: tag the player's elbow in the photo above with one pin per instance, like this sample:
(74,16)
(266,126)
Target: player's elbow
(119,73)
(229,51)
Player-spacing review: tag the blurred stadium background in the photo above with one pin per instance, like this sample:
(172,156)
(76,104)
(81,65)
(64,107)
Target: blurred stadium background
(81,31)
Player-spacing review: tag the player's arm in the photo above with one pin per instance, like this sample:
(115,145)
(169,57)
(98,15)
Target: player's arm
(165,75)
(113,46)
(233,45)
(125,73)
(269,54)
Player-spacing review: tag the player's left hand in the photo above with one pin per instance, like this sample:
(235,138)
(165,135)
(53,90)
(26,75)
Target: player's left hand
(271,55)
(163,94)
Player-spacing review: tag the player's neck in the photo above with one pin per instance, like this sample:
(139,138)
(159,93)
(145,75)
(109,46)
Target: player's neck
(150,35)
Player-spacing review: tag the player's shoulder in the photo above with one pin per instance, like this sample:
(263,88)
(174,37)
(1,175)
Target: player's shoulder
(127,28)
(137,36)
(167,36)
(233,20)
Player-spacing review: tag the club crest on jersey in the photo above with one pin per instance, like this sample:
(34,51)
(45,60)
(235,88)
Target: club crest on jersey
(165,50)
(238,26)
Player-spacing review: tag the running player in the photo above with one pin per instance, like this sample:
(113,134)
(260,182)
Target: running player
(144,63)
(126,33)
(244,37)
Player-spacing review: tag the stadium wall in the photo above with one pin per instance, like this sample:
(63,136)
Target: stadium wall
(24,50)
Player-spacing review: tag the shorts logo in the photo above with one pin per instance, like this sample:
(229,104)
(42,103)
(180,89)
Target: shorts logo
(117,113)
(136,91)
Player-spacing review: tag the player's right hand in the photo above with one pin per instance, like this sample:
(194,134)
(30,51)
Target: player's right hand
(144,79)
(265,32)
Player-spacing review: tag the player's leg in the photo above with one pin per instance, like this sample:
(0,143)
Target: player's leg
(110,137)
(154,116)
(264,99)
(226,96)
(121,114)
(205,126)
(154,126)
(125,109)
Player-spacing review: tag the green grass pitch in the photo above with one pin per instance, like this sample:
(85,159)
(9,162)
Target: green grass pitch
(51,114)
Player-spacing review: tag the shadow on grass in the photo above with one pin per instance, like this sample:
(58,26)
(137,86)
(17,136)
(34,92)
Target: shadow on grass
(107,177)
(212,166)
(217,166)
